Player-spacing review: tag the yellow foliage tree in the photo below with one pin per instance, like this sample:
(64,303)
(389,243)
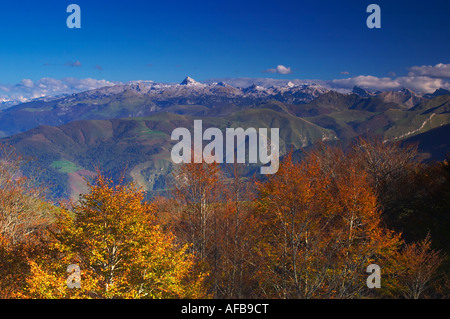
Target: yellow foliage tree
(122,253)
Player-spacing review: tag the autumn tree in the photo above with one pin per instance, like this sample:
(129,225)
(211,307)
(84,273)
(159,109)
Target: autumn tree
(197,190)
(320,228)
(393,170)
(23,209)
(412,195)
(197,195)
(24,213)
(235,240)
(112,235)
(419,269)
(210,208)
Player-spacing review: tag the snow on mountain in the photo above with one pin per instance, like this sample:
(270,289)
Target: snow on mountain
(189,91)
(190,88)
(189,81)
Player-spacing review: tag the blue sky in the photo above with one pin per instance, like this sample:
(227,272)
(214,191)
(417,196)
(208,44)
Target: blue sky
(166,40)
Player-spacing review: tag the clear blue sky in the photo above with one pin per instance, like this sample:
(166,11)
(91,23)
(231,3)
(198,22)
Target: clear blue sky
(166,40)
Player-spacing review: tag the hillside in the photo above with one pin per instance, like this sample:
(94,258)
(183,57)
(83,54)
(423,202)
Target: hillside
(146,98)
(434,144)
(141,146)
(126,129)
(138,99)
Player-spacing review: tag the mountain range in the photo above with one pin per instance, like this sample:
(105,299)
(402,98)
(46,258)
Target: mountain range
(126,128)
(145,98)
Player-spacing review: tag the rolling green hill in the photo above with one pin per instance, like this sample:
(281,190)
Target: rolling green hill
(140,146)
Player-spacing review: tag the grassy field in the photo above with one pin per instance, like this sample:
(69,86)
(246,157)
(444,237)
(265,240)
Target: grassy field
(65,166)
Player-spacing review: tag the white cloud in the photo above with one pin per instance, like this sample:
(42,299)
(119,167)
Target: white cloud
(280,69)
(27,83)
(244,82)
(421,79)
(79,85)
(366,82)
(423,83)
(420,84)
(440,70)
(27,89)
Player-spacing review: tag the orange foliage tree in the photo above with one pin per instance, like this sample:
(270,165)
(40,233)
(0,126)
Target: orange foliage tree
(319,229)
(308,231)
(235,237)
(419,269)
(197,192)
(211,210)
(24,214)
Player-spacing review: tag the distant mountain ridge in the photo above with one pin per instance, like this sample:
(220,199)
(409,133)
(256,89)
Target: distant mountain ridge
(143,98)
(129,126)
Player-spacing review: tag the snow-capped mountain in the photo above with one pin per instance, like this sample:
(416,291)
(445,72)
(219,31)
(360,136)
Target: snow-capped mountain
(189,97)
(143,98)
(189,81)
(192,90)
(5,103)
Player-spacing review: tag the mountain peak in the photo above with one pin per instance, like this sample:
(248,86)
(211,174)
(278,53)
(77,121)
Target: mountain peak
(188,80)
(254,89)
(406,91)
(436,93)
(360,91)
(441,91)
(222,84)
